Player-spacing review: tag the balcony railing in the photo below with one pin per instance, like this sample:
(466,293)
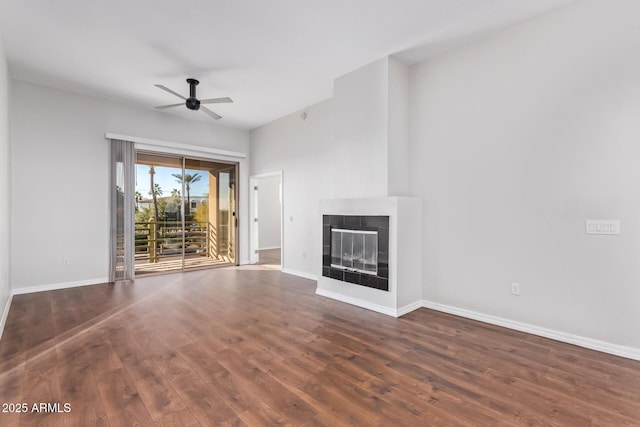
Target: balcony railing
(155,242)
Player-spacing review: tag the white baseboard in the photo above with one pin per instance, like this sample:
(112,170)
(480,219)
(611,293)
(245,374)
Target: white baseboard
(5,313)
(300,274)
(357,302)
(409,308)
(369,305)
(56,286)
(605,347)
(268,248)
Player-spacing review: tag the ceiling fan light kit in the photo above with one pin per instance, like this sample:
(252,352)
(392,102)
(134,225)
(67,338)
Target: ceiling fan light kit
(193,103)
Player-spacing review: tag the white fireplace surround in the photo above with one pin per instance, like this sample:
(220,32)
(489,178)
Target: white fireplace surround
(405,255)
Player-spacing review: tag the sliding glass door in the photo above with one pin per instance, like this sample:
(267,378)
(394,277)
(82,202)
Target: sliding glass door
(185,213)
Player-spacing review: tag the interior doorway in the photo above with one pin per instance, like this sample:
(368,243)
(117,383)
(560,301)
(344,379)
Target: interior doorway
(267,246)
(185,213)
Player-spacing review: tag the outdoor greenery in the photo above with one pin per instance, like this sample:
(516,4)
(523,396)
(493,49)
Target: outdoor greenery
(202,213)
(188,180)
(168,208)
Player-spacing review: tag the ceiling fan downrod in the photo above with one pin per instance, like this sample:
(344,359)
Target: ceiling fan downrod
(192,102)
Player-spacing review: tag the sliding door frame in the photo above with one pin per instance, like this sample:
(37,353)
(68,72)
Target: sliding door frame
(184,157)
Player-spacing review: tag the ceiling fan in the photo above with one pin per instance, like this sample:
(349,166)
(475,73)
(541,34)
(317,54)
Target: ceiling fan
(193,103)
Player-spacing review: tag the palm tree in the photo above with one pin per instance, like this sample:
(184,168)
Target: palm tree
(158,189)
(188,180)
(138,199)
(155,193)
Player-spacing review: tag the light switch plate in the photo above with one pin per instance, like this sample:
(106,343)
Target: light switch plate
(602,226)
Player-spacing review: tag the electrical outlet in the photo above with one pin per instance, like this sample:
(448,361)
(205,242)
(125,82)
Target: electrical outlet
(66,261)
(304,254)
(515,288)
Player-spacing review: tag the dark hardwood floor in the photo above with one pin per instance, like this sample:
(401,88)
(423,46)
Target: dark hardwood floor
(252,346)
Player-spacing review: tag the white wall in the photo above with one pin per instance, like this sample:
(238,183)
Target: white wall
(60,178)
(398,129)
(269,212)
(303,149)
(361,103)
(341,150)
(5,187)
(515,142)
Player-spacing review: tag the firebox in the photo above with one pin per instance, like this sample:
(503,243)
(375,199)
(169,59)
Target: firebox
(355,249)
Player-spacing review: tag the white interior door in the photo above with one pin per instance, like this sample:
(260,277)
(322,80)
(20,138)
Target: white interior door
(262,238)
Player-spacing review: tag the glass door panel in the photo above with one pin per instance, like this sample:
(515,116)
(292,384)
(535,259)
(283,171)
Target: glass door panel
(159,236)
(210,238)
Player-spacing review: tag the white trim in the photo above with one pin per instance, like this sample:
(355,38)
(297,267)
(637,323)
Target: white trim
(254,232)
(282,219)
(268,248)
(409,308)
(615,349)
(266,174)
(168,146)
(56,286)
(300,274)
(5,313)
(358,302)
(254,227)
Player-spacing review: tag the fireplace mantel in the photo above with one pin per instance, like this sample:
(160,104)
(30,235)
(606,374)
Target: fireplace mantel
(404,291)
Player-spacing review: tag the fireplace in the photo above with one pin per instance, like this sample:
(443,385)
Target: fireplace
(372,253)
(355,249)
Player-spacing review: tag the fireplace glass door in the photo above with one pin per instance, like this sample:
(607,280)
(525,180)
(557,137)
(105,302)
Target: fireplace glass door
(354,250)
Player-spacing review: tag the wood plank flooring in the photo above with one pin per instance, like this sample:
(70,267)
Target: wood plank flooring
(269,256)
(252,346)
(175,264)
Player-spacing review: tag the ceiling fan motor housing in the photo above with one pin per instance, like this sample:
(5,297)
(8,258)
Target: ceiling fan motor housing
(192,103)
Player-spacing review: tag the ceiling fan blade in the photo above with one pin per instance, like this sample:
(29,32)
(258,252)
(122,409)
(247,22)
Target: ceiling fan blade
(162,107)
(216,100)
(171,92)
(211,113)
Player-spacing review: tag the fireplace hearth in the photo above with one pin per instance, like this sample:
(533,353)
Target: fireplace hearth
(355,249)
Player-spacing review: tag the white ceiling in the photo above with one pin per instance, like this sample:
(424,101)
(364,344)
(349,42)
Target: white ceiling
(273,57)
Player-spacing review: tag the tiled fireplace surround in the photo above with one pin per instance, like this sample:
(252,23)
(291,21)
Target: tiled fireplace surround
(379,224)
(396,288)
